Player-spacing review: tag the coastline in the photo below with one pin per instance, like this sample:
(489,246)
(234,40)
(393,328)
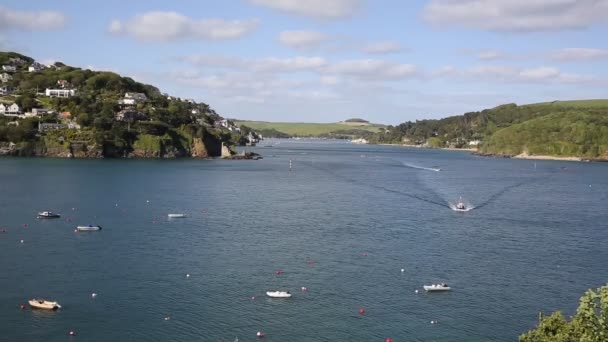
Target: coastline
(432,148)
(545,157)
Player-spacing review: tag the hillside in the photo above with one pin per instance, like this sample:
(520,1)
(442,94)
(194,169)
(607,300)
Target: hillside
(65,111)
(301,129)
(559,128)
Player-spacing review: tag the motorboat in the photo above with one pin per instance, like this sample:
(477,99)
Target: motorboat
(48,215)
(460,205)
(176,215)
(278,294)
(437,287)
(89,228)
(44,304)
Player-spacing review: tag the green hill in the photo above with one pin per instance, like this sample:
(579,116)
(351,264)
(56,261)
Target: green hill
(92,121)
(301,129)
(559,128)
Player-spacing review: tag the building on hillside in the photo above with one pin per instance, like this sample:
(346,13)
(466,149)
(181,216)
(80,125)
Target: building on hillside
(64,115)
(190,101)
(63,84)
(4,77)
(36,67)
(42,111)
(16,61)
(474,142)
(6,90)
(130,115)
(139,97)
(10,110)
(42,127)
(60,92)
(127,102)
(9,68)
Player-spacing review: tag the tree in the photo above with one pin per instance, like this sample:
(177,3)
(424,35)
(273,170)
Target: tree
(589,324)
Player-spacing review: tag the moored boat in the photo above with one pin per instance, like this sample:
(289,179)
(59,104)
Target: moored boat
(176,215)
(48,215)
(88,228)
(278,294)
(437,287)
(44,304)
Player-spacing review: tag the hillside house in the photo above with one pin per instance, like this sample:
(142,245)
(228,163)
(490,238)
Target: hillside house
(65,115)
(127,102)
(6,90)
(16,61)
(42,111)
(42,127)
(139,97)
(130,115)
(9,68)
(474,143)
(36,67)
(65,93)
(10,110)
(4,77)
(63,84)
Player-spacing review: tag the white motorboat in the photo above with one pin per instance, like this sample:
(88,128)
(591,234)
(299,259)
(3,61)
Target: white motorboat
(44,304)
(48,215)
(89,228)
(176,215)
(437,287)
(278,294)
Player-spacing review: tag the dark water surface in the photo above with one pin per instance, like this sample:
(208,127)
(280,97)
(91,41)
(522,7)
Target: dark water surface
(536,241)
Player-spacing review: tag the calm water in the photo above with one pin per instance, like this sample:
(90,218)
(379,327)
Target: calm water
(536,241)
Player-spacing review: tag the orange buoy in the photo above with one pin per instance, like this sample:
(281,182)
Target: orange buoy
(362,311)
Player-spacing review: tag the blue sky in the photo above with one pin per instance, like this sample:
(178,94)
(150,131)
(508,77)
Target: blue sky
(387,61)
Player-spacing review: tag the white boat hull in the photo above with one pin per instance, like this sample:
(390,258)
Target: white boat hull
(88,228)
(434,288)
(176,215)
(278,294)
(43,304)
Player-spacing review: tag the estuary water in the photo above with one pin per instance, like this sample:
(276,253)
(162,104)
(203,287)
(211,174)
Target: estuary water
(342,223)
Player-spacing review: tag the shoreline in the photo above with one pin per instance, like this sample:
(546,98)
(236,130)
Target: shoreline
(545,157)
(432,148)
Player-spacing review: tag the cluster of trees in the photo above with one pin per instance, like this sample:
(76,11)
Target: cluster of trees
(96,103)
(568,129)
(589,324)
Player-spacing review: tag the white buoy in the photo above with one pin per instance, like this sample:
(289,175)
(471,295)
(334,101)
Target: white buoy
(147,201)
(402,270)
(93,295)
(167,318)
(21,241)
(187,275)
(416,291)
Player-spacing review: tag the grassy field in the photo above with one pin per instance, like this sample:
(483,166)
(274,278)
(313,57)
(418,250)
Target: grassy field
(309,129)
(597,103)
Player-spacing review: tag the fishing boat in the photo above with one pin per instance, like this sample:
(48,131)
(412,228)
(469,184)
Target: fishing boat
(89,228)
(460,205)
(48,215)
(44,304)
(176,215)
(437,287)
(278,294)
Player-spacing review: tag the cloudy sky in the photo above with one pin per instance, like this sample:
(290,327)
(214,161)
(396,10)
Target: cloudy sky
(388,61)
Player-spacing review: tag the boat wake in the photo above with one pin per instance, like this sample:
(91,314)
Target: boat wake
(436,169)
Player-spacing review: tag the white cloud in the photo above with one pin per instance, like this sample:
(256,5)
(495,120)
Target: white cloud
(579,54)
(31,20)
(302,39)
(373,69)
(505,73)
(486,55)
(329,80)
(517,15)
(266,65)
(383,48)
(171,26)
(324,9)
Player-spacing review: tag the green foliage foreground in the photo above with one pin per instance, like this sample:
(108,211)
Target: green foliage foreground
(589,324)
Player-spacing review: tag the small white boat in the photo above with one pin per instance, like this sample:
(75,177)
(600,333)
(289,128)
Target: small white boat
(278,294)
(176,215)
(89,228)
(437,287)
(48,215)
(44,304)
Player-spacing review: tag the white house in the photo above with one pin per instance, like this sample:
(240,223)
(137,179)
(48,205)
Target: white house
(36,67)
(59,92)
(4,77)
(136,96)
(474,142)
(42,111)
(10,110)
(127,102)
(6,90)
(9,68)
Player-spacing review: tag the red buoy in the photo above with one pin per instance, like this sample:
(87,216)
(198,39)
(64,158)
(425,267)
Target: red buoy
(362,311)
(22,306)
(388,340)
(260,334)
